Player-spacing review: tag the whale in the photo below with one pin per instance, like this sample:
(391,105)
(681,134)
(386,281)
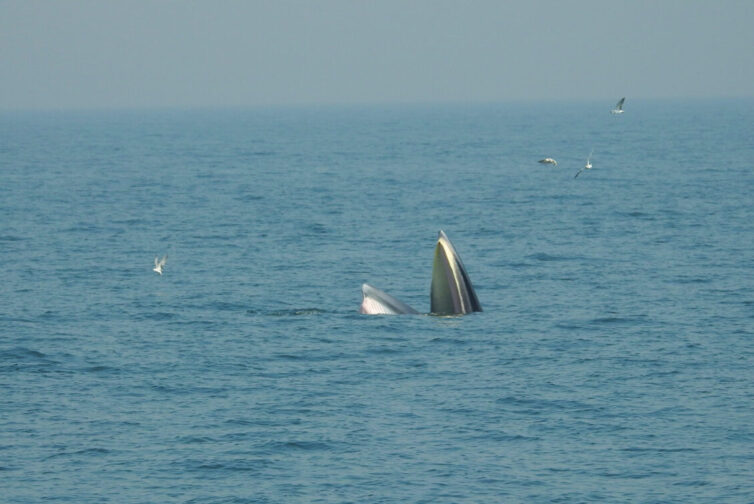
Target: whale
(450,292)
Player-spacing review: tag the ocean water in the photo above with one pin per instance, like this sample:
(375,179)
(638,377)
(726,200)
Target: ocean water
(613,361)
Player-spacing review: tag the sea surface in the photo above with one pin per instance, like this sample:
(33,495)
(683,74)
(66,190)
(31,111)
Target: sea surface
(613,361)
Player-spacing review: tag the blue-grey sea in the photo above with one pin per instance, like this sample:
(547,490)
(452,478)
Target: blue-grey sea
(613,361)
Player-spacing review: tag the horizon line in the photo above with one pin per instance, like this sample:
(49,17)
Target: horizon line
(360,104)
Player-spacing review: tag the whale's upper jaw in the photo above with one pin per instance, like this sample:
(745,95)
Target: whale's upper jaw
(451,292)
(377,302)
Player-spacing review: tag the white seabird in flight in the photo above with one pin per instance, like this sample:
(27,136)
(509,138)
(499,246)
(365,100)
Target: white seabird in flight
(587,166)
(548,160)
(618,106)
(158,264)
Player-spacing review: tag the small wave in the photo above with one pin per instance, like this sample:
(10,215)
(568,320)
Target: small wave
(229,500)
(51,315)
(291,357)
(21,353)
(294,312)
(92,451)
(503,437)
(542,256)
(297,445)
(84,452)
(196,439)
(100,369)
(248,197)
(608,320)
(215,236)
(693,280)
(614,320)
(11,238)
(241,421)
(18,358)
(637,449)
(450,341)
(234,465)
(385,350)
(166,389)
(264,422)
(262,153)
(640,215)
(158,316)
(211,466)
(634,475)
(84,228)
(516,265)
(17,319)
(662,374)
(692,483)
(226,306)
(569,325)
(129,222)
(544,405)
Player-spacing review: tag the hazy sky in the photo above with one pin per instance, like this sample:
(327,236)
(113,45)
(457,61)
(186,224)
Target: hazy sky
(143,53)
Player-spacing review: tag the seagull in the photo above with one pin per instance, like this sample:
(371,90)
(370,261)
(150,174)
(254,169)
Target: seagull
(618,106)
(548,160)
(158,264)
(587,166)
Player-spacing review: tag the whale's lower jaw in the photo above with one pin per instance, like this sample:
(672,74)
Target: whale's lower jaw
(377,302)
(451,292)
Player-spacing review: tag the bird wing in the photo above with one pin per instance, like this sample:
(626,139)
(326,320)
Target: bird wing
(619,105)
